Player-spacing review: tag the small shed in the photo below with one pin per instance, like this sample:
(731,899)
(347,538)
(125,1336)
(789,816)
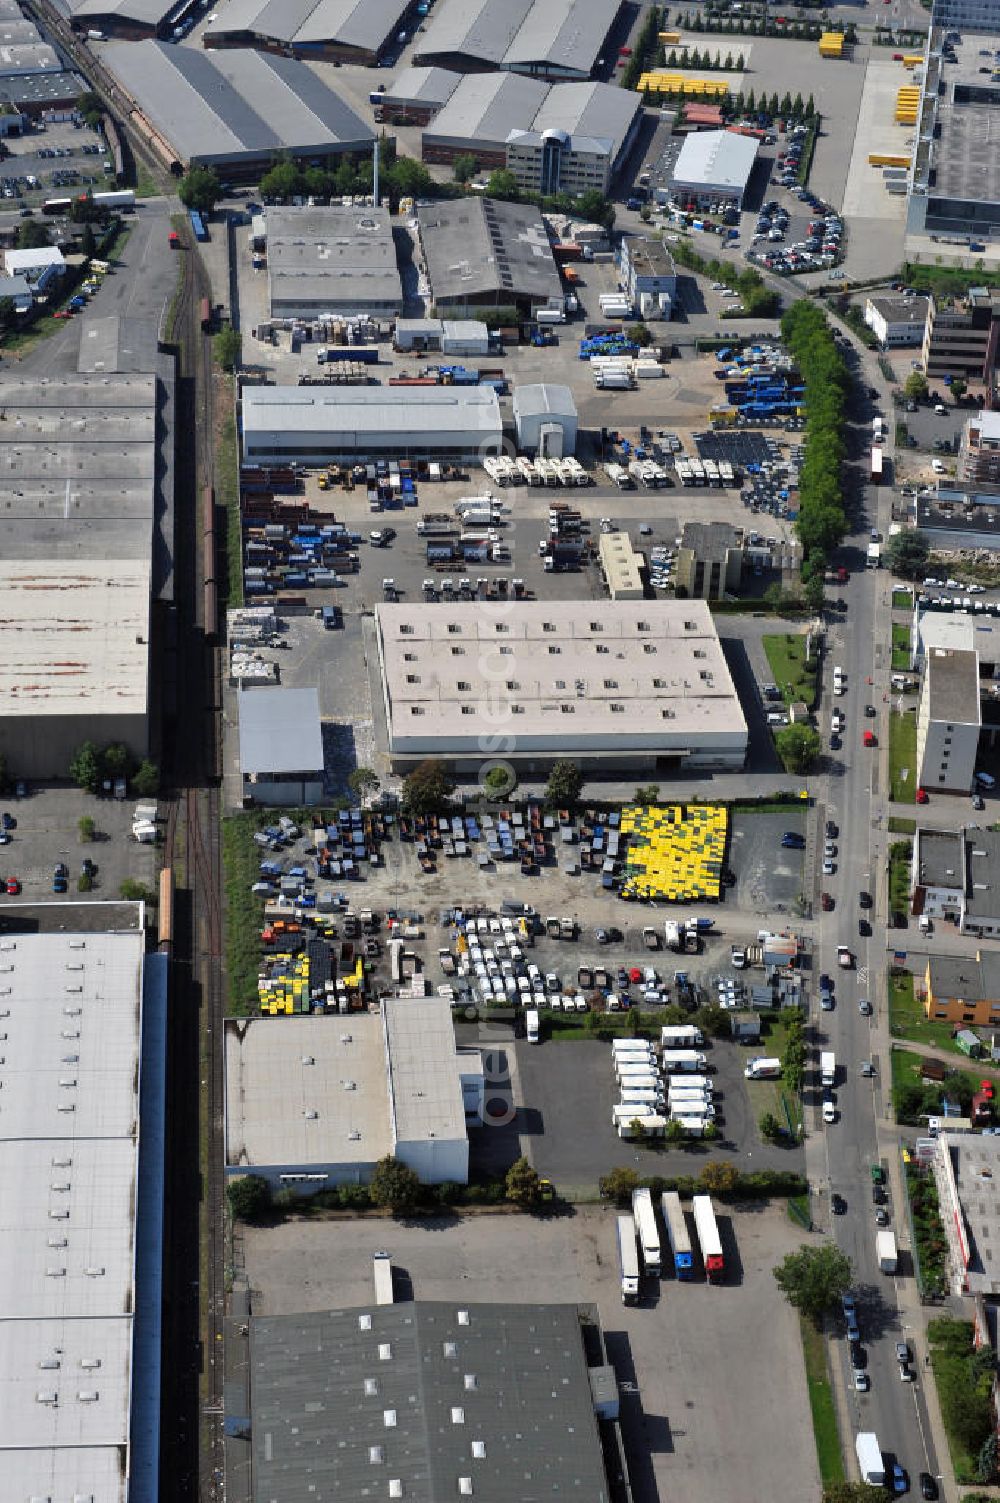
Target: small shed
(545,419)
(745,1026)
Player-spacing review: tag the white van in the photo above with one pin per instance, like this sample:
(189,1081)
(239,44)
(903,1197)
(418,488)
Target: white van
(531,1025)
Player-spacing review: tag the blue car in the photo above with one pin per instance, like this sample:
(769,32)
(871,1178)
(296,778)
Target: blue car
(792,841)
(900,1481)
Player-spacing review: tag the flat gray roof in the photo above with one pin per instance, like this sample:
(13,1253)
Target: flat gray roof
(974,978)
(982,865)
(68,1167)
(146,12)
(952,686)
(484,247)
(441,1399)
(430,86)
(902,310)
(975,1169)
(424,1086)
(562,35)
(964,153)
(280,731)
(488,107)
(332,256)
(715,159)
(710,541)
(349,410)
(364,24)
(537,399)
(941,859)
(20,59)
(220,105)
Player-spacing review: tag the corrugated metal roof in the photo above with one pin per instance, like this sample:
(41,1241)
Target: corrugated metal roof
(485,107)
(478,29)
(423,86)
(372,409)
(716,158)
(212,105)
(567,36)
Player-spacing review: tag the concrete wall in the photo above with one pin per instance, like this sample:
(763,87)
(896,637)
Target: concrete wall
(42,746)
(436,1159)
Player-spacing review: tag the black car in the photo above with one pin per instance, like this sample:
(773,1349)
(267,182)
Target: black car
(838,1205)
(831,829)
(879,1196)
(928,1487)
(864,928)
(865,899)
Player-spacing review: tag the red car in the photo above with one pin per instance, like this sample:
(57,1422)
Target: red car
(826,901)
(897,57)
(13,887)
(624,52)
(922,796)
(868,738)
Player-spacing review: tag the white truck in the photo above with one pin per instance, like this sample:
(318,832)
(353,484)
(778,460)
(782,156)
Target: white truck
(645,1228)
(885,1251)
(531,1025)
(628,1260)
(763,1067)
(828,1067)
(870,1462)
(674,1060)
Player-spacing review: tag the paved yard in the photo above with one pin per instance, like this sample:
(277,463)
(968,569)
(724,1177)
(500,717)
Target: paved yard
(712,1384)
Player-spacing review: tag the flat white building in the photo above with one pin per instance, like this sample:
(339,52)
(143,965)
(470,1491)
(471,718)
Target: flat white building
(315,1101)
(714,164)
(545,419)
(637,684)
(317,425)
(897,321)
(949,719)
(77,1356)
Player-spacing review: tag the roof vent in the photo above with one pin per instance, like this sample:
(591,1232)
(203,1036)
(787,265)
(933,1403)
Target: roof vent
(371,1387)
(465,1486)
(449,1349)
(364,1322)
(395,1487)
(347,1038)
(385,1351)
(463,1317)
(88,1395)
(307,1059)
(350,1085)
(471,1382)
(389,1418)
(310,1113)
(47,1396)
(48,1363)
(458,1415)
(376,1454)
(479,1449)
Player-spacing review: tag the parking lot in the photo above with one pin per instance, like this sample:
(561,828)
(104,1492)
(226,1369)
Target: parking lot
(45,833)
(696,1364)
(54,160)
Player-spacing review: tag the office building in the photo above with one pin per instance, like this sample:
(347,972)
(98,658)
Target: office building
(647,273)
(966,15)
(232,110)
(709,560)
(963,989)
(897,321)
(544,38)
(979,454)
(317,1101)
(281,747)
(949,719)
(483,253)
(713,165)
(955,174)
(555,138)
(966,1169)
(634,684)
(955,877)
(545,420)
(331,260)
(322,425)
(81,1189)
(350,31)
(961,339)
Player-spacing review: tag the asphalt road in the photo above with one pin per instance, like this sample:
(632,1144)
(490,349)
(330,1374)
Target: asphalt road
(855,789)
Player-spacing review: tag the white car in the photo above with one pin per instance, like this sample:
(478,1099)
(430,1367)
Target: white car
(829,868)
(937,466)
(829,1112)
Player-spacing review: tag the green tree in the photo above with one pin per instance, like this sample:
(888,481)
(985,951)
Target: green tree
(115,761)
(89,105)
(500,781)
(856,1492)
(464,166)
(563,788)
(814,592)
(617,1186)
(406,178)
(364,783)
(797,107)
(228,345)
(427,789)
(146,782)
(798,746)
(132,891)
(502,184)
(640,334)
(958,388)
(249,1197)
(646,794)
(770,1127)
(200,189)
(718,1178)
(85,767)
(674,1132)
(915,386)
(283,180)
(810,108)
(84,882)
(32,234)
(906,553)
(86,829)
(814,1278)
(394,1185)
(522,1185)
(88,241)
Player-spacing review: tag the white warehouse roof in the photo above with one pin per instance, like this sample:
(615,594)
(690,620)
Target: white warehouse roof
(564,36)
(540,399)
(359,414)
(716,159)
(68,1165)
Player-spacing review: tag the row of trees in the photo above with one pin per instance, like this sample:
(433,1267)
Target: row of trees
(93,767)
(822,521)
(394,1187)
(645,48)
(709,62)
(428,788)
(758,299)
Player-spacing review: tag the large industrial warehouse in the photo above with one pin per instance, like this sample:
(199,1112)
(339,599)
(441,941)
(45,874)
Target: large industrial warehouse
(550,38)
(483,253)
(555,138)
(232,110)
(81,1189)
(332,260)
(327,424)
(955,185)
(131,19)
(290,1119)
(714,164)
(641,685)
(347,30)
(80,461)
